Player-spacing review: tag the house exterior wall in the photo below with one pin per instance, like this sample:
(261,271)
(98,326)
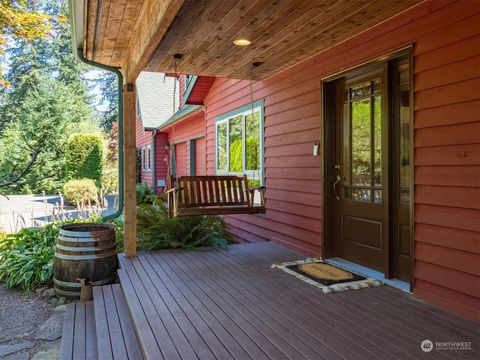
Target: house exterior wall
(445,36)
(180,133)
(144,138)
(161,160)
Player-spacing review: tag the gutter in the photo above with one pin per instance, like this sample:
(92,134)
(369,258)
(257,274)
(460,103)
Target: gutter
(76,20)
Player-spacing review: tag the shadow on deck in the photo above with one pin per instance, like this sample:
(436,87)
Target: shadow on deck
(232,305)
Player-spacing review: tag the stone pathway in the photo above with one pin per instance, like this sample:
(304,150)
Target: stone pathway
(30,327)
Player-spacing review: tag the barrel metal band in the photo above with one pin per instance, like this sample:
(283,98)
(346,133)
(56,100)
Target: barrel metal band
(85,248)
(84,257)
(77,284)
(67,293)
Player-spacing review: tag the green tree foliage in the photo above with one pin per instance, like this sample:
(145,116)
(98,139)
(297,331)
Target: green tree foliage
(108,105)
(84,157)
(47,101)
(21,21)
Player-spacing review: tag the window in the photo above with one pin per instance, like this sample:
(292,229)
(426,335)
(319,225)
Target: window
(149,158)
(239,143)
(144,163)
(137,107)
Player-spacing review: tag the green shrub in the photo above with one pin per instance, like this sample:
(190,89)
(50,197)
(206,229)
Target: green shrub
(26,257)
(155,230)
(80,191)
(144,194)
(84,157)
(110,181)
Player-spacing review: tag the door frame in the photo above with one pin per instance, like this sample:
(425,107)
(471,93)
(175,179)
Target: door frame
(328,118)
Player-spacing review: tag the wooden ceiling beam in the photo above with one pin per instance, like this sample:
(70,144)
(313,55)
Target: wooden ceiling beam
(153,22)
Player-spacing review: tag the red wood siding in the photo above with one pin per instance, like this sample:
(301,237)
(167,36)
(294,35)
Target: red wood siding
(144,138)
(183,131)
(161,159)
(445,35)
(181,166)
(200,157)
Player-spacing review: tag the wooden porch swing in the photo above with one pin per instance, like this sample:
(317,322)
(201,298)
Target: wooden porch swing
(215,194)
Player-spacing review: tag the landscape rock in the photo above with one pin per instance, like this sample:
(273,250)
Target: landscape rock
(17,332)
(48,293)
(48,351)
(39,291)
(53,301)
(61,300)
(18,356)
(10,349)
(52,328)
(61,308)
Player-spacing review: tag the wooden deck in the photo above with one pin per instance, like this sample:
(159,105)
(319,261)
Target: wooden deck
(232,305)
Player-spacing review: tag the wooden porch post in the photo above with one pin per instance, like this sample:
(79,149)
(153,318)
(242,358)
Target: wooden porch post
(129,171)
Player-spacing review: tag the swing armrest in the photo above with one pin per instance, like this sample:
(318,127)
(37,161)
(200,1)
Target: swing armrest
(171,190)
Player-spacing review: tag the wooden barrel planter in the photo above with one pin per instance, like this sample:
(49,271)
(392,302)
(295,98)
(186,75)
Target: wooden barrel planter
(84,251)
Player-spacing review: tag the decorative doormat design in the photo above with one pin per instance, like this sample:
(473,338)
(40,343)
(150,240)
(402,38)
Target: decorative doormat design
(328,277)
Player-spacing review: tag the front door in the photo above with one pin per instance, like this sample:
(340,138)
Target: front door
(368,177)
(361,175)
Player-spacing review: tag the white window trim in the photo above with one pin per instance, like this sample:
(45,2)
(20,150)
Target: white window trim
(251,174)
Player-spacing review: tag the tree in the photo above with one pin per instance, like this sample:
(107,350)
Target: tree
(47,95)
(107,83)
(19,21)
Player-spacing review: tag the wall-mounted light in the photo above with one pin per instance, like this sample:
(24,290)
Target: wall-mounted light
(242,42)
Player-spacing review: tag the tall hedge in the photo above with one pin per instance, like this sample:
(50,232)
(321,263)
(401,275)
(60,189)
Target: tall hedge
(84,157)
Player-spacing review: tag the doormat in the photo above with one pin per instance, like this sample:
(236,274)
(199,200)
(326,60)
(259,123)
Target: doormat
(328,277)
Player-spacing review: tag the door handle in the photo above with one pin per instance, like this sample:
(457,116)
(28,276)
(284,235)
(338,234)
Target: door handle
(335,187)
(337,181)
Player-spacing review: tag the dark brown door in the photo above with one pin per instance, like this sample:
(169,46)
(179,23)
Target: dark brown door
(369,177)
(361,169)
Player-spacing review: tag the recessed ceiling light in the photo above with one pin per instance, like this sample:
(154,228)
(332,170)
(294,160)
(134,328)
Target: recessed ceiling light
(242,42)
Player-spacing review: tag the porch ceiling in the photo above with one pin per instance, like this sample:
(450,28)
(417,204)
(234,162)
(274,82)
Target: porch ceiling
(283,32)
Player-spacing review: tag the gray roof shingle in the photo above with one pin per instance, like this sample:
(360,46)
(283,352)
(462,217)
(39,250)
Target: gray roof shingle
(155,93)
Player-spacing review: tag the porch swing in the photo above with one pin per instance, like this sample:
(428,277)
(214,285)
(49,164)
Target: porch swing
(213,194)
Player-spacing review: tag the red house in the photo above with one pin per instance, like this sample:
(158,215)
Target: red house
(361,119)
(168,141)
(345,137)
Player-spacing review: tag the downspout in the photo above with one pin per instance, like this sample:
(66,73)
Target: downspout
(120,128)
(154,167)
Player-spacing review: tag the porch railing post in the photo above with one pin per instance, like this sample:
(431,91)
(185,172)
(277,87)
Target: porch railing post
(129,167)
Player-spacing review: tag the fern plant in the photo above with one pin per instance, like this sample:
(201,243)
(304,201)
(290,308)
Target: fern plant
(155,230)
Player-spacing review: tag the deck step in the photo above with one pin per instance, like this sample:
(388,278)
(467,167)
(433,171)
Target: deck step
(79,340)
(148,344)
(116,337)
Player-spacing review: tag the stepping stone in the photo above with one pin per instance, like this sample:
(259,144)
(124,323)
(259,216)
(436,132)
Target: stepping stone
(48,351)
(10,349)
(14,333)
(18,356)
(52,328)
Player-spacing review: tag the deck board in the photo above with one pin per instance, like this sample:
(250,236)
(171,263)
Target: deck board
(231,304)
(79,335)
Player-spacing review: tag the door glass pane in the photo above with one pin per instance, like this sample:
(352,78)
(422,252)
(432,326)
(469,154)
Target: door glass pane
(252,141)
(378,141)
(361,142)
(404,128)
(222,147)
(236,146)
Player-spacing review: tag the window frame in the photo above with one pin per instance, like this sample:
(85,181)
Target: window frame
(225,118)
(149,158)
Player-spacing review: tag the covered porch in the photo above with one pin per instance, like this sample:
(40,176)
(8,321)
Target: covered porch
(229,304)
